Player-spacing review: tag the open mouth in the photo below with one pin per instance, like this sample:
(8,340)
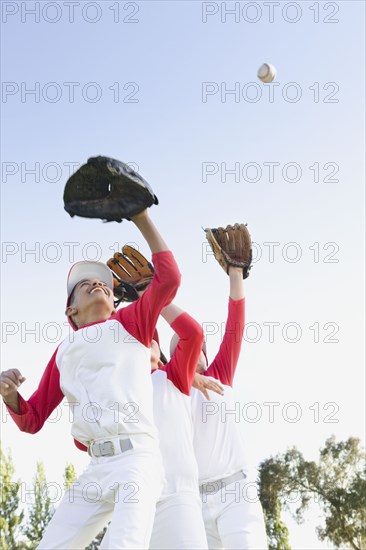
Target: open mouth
(99,288)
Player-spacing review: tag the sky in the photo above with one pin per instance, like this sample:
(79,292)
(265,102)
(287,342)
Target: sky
(171,87)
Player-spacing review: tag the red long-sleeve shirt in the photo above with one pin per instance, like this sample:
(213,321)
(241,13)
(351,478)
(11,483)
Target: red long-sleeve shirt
(219,448)
(181,368)
(224,365)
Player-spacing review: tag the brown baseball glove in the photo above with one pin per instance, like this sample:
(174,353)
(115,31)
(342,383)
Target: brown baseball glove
(232,246)
(131,273)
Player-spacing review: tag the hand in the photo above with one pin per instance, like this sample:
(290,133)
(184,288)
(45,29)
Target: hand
(202,383)
(10,380)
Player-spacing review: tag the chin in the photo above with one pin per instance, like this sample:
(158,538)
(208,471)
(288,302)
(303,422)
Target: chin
(99,298)
(104,301)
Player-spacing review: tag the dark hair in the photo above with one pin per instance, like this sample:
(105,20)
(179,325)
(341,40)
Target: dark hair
(71,297)
(68,304)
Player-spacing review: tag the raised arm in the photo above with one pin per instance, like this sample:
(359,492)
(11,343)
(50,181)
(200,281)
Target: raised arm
(171,312)
(30,415)
(182,366)
(149,232)
(236,283)
(223,366)
(140,317)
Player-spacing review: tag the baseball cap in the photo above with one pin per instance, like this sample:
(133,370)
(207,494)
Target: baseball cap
(88,270)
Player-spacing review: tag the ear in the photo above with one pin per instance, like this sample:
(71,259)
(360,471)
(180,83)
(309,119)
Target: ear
(70,311)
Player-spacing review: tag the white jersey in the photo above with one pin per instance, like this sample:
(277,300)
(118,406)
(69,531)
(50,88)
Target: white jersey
(218,443)
(105,376)
(172,414)
(172,407)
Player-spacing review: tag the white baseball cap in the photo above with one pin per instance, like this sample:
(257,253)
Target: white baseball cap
(88,270)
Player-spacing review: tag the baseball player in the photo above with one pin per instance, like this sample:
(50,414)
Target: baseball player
(178,520)
(104,372)
(232,515)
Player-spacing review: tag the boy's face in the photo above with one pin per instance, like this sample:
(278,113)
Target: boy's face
(91,301)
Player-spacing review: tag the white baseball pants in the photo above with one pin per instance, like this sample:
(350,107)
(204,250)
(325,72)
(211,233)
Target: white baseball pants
(178,523)
(233,518)
(122,489)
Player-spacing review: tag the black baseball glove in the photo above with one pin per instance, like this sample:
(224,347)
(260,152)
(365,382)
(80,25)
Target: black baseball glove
(108,189)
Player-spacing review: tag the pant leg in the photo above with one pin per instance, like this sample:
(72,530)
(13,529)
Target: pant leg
(209,514)
(137,481)
(80,516)
(178,523)
(240,521)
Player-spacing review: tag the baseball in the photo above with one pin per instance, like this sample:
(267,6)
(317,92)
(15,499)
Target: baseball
(267,73)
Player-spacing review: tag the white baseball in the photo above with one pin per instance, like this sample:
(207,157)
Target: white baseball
(267,73)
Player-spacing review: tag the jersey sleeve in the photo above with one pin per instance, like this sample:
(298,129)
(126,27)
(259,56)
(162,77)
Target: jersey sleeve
(223,366)
(140,317)
(34,412)
(182,366)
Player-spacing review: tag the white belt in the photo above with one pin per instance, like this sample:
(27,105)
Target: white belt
(109,447)
(212,487)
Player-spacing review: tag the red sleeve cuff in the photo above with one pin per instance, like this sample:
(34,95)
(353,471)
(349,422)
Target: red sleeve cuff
(162,254)
(236,302)
(22,406)
(184,324)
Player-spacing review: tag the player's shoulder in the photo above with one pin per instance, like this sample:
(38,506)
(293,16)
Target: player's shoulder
(61,348)
(159,381)
(159,374)
(124,319)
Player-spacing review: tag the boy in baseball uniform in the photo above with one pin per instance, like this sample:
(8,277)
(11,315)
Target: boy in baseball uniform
(104,371)
(233,517)
(178,520)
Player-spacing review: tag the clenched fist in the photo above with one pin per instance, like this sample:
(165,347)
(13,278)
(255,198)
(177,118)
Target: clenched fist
(10,380)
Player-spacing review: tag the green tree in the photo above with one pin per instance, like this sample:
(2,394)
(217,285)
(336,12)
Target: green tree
(94,545)
(271,485)
(340,483)
(70,475)
(10,518)
(41,509)
(337,482)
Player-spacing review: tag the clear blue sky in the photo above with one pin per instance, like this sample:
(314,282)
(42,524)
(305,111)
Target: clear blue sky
(162,62)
